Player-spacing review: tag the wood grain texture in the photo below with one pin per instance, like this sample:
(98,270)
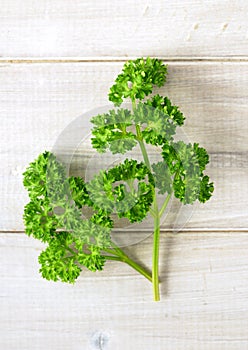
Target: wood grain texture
(110,28)
(204,299)
(39,101)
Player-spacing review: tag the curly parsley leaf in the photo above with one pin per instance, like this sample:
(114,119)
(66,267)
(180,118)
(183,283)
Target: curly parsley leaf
(57,262)
(39,219)
(52,210)
(206,189)
(186,163)
(162,177)
(79,192)
(111,132)
(63,259)
(137,79)
(36,175)
(123,199)
(164,105)
(157,117)
(156,126)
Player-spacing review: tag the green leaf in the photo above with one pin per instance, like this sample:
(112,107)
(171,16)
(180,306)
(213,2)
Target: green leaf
(206,189)
(57,265)
(39,220)
(79,192)
(53,210)
(137,79)
(158,120)
(94,261)
(111,132)
(156,127)
(131,203)
(64,257)
(165,106)
(202,156)
(186,163)
(162,177)
(35,176)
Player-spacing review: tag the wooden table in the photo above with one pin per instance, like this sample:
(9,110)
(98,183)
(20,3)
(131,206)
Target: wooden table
(58,60)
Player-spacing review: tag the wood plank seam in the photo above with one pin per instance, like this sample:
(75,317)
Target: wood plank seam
(19,60)
(170,232)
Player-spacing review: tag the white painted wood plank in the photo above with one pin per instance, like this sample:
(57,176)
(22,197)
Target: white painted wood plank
(204,299)
(38,101)
(110,28)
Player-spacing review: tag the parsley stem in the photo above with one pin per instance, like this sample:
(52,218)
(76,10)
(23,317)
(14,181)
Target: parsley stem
(130,183)
(152,212)
(133,104)
(124,258)
(142,147)
(139,138)
(138,268)
(155,258)
(156,215)
(167,199)
(109,257)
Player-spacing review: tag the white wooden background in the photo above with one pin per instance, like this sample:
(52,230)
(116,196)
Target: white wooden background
(58,60)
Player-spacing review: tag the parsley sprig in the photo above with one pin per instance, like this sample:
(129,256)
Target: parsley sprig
(54,215)
(76,218)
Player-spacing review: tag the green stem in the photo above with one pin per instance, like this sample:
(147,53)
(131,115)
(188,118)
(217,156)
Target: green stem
(138,268)
(130,183)
(110,251)
(156,215)
(155,259)
(133,104)
(142,147)
(139,138)
(164,206)
(108,257)
(121,256)
(152,212)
